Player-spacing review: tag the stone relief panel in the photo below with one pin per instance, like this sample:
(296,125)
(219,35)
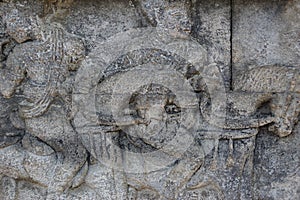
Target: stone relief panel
(136,100)
(265,33)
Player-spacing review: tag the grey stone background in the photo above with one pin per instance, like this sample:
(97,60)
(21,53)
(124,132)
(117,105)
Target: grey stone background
(237,35)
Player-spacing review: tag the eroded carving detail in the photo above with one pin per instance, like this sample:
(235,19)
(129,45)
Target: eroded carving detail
(148,137)
(39,74)
(278,85)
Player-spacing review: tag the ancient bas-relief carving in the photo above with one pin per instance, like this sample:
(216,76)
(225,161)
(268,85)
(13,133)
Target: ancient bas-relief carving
(143,115)
(38,72)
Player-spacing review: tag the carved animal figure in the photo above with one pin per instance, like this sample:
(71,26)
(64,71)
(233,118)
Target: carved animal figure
(39,72)
(276,86)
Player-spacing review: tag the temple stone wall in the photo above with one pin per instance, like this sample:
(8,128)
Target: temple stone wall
(149,99)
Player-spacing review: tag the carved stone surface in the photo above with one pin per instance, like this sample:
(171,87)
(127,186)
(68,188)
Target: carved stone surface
(149,99)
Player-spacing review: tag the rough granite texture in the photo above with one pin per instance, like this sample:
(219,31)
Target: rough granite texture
(149,99)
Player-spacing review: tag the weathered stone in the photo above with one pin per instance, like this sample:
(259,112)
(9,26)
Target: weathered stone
(265,33)
(149,99)
(212,29)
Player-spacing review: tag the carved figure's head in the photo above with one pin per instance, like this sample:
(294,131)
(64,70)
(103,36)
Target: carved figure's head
(155,104)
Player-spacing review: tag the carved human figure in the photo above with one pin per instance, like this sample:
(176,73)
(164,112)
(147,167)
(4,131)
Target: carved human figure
(154,105)
(39,71)
(158,106)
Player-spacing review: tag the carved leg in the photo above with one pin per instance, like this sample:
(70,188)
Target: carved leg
(54,129)
(286,108)
(74,159)
(12,161)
